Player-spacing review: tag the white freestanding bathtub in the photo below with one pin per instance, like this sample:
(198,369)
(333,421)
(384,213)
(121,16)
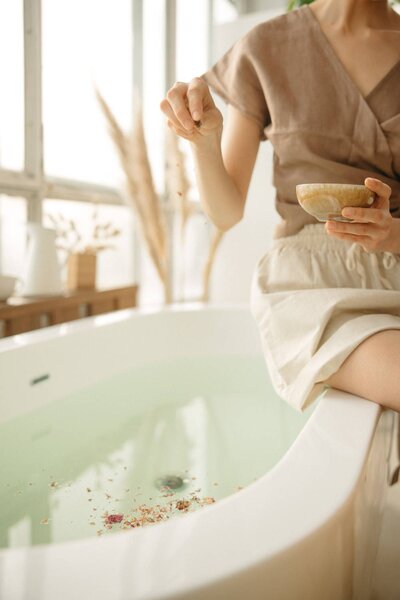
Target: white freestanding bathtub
(307,528)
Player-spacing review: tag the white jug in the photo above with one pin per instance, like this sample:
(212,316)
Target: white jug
(42,275)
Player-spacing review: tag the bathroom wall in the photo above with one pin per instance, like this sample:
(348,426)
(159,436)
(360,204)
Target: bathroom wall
(242,246)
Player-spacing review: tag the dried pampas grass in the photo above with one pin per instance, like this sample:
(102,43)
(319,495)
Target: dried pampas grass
(132,152)
(144,200)
(215,242)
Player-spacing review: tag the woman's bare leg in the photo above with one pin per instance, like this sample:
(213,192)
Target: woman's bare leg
(372,370)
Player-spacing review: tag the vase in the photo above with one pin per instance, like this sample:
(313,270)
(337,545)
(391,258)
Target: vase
(42,276)
(81,271)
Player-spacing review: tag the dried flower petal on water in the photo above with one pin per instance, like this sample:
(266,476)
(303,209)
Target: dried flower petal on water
(182,504)
(147,514)
(117,518)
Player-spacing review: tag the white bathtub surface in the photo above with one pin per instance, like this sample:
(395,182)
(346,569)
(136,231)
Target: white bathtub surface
(291,534)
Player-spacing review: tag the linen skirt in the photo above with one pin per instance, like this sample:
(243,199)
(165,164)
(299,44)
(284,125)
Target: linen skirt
(315,299)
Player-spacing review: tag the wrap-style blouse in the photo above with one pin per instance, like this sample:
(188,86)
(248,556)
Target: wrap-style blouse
(285,75)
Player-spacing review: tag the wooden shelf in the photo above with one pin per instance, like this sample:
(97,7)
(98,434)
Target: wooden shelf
(19,314)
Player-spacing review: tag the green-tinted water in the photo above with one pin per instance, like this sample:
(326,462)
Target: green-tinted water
(215,422)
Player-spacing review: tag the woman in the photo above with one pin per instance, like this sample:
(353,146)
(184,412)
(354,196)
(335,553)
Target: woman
(322,83)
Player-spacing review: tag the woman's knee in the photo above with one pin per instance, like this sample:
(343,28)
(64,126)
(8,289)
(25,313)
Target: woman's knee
(372,370)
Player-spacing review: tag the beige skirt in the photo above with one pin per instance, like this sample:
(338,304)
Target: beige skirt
(315,299)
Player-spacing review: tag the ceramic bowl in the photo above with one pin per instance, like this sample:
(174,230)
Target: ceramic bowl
(325,201)
(7,286)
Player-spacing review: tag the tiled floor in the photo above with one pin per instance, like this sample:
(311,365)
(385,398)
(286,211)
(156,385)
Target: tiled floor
(386,584)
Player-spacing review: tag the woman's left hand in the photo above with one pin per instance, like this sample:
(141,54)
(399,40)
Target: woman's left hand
(373,228)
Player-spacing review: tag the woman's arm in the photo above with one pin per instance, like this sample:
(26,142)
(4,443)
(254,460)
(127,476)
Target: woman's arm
(224,156)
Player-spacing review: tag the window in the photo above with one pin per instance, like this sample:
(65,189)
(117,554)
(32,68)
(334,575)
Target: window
(224,11)
(69,48)
(85,45)
(12,89)
(80,45)
(192,56)
(154,62)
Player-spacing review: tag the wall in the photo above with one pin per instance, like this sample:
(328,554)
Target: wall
(243,246)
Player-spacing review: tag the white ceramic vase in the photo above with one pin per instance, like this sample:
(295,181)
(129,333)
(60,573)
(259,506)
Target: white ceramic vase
(42,275)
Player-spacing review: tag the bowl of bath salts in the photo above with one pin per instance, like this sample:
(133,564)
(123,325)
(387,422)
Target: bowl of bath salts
(325,201)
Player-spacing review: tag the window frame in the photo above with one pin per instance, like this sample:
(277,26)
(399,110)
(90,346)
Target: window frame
(32,183)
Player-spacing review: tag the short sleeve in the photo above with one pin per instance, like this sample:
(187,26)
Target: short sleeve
(236,78)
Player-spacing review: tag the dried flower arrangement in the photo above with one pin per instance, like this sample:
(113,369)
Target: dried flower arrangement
(70,239)
(81,255)
(143,197)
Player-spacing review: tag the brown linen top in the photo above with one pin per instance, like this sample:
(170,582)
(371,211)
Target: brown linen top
(285,75)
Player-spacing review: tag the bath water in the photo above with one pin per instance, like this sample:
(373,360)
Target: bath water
(193,430)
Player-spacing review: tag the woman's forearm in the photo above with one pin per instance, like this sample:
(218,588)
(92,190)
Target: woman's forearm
(219,196)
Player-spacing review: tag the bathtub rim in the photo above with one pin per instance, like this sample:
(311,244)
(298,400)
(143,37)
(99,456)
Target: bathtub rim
(327,420)
(51,332)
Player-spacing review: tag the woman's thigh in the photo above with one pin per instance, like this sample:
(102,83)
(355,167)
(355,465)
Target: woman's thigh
(372,370)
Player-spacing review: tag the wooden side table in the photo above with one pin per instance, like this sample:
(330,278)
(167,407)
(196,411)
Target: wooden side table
(19,315)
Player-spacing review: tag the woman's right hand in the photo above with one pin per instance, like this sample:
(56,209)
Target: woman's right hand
(191,111)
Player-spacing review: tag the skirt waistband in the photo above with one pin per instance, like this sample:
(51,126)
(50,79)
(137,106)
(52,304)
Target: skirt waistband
(310,236)
(314,237)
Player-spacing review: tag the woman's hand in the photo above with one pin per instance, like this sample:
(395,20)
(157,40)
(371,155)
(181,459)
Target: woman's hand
(373,228)
(191,111)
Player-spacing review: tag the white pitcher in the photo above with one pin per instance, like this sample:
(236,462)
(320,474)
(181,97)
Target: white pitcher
(42,275)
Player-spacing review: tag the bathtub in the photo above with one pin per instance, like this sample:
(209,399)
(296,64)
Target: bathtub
(306,528)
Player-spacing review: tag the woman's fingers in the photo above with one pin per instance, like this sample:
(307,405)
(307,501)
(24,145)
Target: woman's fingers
(196,93)
(372,228)
(181,132)
(381,190)
(190,109)
(363,215)
(354,229)
(176,97)
(170,114)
